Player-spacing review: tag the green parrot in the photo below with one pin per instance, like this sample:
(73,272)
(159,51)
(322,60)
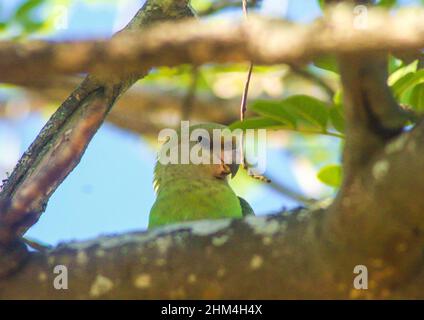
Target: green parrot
(190,191)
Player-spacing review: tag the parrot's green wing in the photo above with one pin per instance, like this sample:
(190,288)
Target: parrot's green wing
(246,209)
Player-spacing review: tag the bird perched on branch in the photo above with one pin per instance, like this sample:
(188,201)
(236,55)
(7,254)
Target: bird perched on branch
(188,190)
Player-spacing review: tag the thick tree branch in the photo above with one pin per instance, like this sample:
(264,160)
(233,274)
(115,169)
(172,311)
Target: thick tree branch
(261,41)
(264,245)
(381,203)
(29,198)
(372,114)
(283,256)
(380,163)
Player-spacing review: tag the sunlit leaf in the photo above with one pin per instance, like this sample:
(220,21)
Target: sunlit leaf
(401,72)
(275,110)
(299,113)
(394,64)
(337,118)
(416,100)
(200,5)
(26,9)
(386,3)
(257,123)
(295,110)
(331,175)
(338,97)
(407,82)
(308,109)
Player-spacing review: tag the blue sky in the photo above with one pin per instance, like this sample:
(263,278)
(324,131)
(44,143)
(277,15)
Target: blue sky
(111,190)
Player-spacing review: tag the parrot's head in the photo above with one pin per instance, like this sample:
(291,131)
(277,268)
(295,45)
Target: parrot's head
(202,151)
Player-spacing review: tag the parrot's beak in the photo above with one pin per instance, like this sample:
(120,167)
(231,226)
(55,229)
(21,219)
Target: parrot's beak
(231,168)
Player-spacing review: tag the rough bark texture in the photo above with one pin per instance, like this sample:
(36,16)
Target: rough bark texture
(258,257)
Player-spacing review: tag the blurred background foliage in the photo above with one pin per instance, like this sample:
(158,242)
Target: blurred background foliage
(300,105)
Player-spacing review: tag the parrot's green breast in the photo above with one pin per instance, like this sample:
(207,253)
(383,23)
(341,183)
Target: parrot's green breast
(187,200)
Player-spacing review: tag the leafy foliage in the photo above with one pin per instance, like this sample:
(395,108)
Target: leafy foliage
(31,17)
(306,114)
(300,113)
(407,84)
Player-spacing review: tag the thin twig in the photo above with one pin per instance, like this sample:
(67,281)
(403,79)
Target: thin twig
(243,108)
(243,104)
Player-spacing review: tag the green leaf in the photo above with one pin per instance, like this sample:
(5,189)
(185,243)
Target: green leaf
(25,17)
(386,3)
(331,175)
(401,72)
(257,123)
(298,113)
(308,109)
(295,110)
(407,82)
(337,118)
(416,100)
(327,62)
(321,4)
(274,110)
(200,5)
(338,97)
(394,64)
(25,9)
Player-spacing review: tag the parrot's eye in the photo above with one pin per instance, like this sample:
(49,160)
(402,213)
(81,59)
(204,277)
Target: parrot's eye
(203,142)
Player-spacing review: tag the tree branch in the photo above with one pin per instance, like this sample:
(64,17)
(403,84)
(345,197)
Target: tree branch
(373,115)
(264,245)
(380,160)
(272,261)
(261,41)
